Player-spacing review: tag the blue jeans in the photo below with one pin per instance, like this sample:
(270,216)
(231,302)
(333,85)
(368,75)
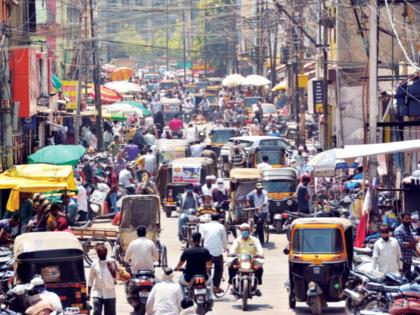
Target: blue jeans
(182,221)
(113,200)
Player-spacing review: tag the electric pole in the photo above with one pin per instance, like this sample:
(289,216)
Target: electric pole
(325,79)
(167,36)
(184,45)
(373,82)
(96,80)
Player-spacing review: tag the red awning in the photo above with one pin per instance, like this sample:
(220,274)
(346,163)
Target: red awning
(108,96)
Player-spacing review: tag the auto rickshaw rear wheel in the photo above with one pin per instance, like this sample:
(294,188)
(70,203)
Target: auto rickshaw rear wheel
(292,301)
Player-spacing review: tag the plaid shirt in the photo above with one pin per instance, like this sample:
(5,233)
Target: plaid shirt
(403,234)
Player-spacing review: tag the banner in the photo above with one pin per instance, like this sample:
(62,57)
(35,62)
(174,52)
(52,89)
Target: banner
(186,174)
(70,89)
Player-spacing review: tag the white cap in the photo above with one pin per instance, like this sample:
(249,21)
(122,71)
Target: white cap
(35,282)
(244,226)
(301,148)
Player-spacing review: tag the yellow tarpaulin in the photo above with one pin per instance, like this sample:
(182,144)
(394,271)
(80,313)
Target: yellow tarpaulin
(35,178)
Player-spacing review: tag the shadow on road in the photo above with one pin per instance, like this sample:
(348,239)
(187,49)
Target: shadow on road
(304,310)
(254,307)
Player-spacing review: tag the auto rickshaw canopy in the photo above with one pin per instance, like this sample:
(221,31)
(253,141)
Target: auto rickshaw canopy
(345,223)
(285,173)
(45,241)
(33,178)
(245,174)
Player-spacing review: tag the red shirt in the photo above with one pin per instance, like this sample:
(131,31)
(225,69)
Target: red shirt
(176,124)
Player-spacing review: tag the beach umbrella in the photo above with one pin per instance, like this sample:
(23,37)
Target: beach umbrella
(123,87)
(233,80)
(62,154)
(256,80)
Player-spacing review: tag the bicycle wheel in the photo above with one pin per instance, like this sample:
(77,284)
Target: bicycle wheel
(224,284)
(89,248)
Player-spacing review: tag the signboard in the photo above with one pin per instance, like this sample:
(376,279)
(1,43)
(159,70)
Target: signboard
(318,95)
(186,174)
(70,89)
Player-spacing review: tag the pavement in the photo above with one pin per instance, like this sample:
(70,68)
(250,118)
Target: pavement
(274,299)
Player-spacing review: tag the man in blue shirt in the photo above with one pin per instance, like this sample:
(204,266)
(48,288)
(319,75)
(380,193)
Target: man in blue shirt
(303,196)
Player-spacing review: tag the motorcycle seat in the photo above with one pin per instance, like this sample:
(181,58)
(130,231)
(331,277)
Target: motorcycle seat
(145,273)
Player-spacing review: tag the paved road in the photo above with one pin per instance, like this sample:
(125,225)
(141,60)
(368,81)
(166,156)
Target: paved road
(274,299)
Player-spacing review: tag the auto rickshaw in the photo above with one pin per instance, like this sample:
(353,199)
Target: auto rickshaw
(171,107)
(58,258)
(202,85)
(219,136)
(168,84)
(171,149)
(280,184)
(320,258)
(276,155)
(141,210)
(215,81)
(174,177)
(242,182)
(249,101)
(192,88)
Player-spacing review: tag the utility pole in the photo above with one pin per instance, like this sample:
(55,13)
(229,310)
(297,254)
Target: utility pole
(153,39)
(325,79)
(184,45)
(205,39)
(167,36)
(97,87)
(373,82)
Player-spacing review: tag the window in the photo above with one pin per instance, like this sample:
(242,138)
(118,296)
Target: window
(317,241)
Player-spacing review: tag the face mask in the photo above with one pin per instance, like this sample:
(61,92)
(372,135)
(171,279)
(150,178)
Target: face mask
(208,185)
(221,187)
(245,234)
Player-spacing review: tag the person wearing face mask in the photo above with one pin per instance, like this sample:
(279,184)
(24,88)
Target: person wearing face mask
(386,253)
(246,244)
(299,160)
(220,195)
(188,200)
(208,187)
(101,283)
(405,237)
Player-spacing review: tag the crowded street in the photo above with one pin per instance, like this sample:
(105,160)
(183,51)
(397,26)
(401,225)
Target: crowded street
(220,157)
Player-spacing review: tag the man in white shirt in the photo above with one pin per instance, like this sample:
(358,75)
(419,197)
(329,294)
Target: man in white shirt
(264,165)
(207,188)
(386,253)
(215,240)
(165,297)
(150,162)
(259,198)
(141,253)
(82,202)
(125,180)
(191,133)
(196,149)
(101,283)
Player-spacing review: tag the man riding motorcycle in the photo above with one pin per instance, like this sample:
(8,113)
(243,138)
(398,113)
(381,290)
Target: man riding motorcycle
(188,200)
(246,244)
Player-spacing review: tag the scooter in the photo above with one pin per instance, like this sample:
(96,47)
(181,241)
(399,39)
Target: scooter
(138,290)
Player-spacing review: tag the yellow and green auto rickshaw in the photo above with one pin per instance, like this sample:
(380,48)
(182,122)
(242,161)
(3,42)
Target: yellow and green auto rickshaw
(219,136)
(320,258)
(280,184)
(58,258)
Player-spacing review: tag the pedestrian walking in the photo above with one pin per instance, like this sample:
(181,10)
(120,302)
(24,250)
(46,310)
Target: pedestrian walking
(303,196)
(386,253)
(101,283)
(405,237)
(165,297)
(215,241)
(259,198)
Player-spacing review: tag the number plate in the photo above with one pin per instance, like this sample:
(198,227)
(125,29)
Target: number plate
(317,270)
(143,294)
(278,203)
(200,291)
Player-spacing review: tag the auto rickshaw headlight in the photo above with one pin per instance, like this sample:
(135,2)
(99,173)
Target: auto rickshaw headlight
(289,202)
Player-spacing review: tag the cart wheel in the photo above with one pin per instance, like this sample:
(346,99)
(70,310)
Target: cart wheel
(89,248)
(266,233)
(163,257)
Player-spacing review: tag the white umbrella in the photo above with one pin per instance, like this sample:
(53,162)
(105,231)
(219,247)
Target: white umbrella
(123,87)
(233,80)
(125,109)
(256,80)
(324,163)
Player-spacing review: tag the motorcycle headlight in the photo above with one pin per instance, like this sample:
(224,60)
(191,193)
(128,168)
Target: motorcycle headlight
(289,202)
(246,265)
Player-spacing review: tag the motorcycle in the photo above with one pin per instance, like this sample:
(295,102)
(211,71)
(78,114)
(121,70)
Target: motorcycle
(199,293)
(245,283)
(138,290)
